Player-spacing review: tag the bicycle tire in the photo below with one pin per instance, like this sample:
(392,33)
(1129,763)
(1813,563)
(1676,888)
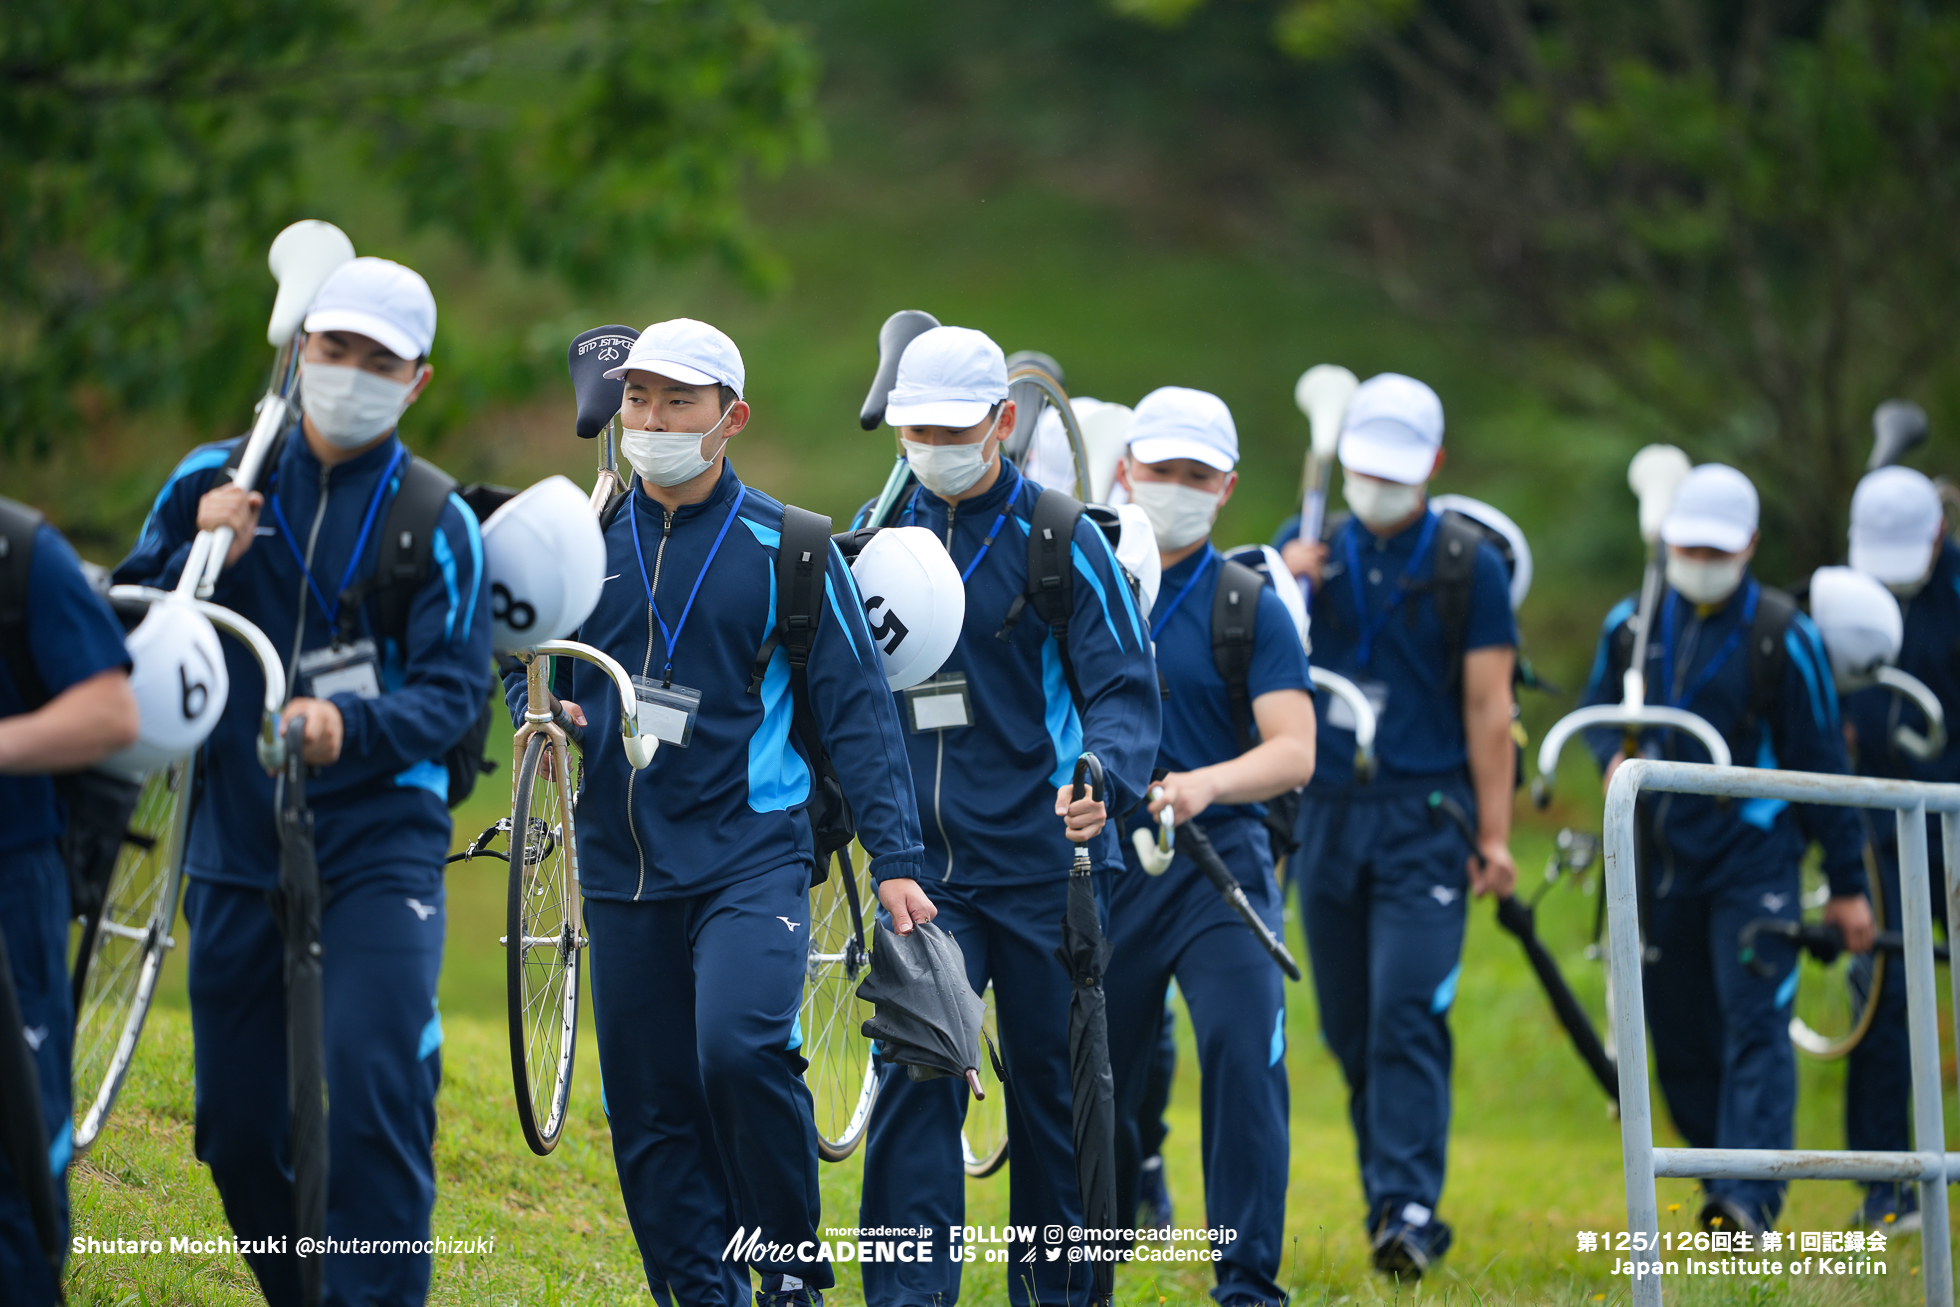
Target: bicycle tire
(1840,998)
(543,943)
(983,1137)
(840,1074)
(121,951)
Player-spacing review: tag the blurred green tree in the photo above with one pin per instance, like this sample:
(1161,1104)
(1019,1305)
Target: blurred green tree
(149,151)
(1743,213)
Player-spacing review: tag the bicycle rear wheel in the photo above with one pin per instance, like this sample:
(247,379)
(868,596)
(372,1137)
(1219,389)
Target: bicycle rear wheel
(120,953)
(843,1082)
(983,1140)
(1834,1005)
(544,942)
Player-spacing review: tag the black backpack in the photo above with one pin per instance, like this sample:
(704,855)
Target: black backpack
(401,564)
(1234,631)
(100,806)
(1768,652)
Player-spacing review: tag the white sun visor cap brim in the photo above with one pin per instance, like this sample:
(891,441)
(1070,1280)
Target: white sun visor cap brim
(1392,429)
(1178,422)
(381,299)
(1896,523)
(947,377)
(688,350)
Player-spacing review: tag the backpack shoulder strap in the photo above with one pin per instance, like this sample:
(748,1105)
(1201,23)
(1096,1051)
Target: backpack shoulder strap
(18,524)
(401,558)
(1451,581)
(1051,575)
(802,556)
(1234,625)
(1619,646)
(1768,652)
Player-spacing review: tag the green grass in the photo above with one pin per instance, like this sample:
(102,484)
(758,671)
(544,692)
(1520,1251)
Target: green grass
(1534,1156)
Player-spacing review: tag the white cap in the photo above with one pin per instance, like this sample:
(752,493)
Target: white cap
(689,351)
(1392,430)
(378,298)
(1178,422)
(1895,524)
(1715,507)
(947,377)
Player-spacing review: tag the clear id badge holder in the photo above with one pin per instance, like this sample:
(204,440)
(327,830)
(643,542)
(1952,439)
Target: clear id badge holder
(341,669)
(666,712)
(940,704)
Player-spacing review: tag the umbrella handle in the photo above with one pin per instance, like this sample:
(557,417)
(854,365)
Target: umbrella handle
(1156,854)
(1090,766)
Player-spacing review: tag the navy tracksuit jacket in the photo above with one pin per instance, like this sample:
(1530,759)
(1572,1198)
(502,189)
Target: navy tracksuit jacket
(1382,885)
(381,829)
(696,875)
(71,636)
(1878,1086)
(997,864)
(1726,1067)
(1177,926)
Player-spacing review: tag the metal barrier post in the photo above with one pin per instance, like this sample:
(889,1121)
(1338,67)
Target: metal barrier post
(1929,1164)
(1630,1042)
(1950,848)
(1923,1028)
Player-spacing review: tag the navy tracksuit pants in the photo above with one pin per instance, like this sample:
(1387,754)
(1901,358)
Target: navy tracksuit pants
(695,1000)
(34,915)
(381,944)
(1878,1079)
(912,1165)
(1726,1067)
(1177,926)
(1383,897)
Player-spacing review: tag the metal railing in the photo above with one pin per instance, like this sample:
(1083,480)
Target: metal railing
(1930,1165)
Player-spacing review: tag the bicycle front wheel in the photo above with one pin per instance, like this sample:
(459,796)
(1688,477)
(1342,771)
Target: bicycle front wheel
(121,952)
(544,941)
(843,1082)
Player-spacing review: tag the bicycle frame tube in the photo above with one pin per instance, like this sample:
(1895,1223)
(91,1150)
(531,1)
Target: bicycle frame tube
(272,749)
(639,748)
(609,479)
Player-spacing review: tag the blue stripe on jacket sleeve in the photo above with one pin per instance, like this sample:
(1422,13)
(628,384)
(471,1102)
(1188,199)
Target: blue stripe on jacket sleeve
(1620,613)
(778,777)
(1122,586)
(1801,656)
(830,593)
(475,536)
(197,460)
(446,564)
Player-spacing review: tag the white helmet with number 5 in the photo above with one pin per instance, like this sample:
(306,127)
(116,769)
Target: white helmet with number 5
(914,601)
(180,682)
(546,559)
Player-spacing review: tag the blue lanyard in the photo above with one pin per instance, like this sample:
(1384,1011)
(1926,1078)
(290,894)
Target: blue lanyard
(912,514)
(1365,646)
(332,610)
(1714,664)
(673,637)
(1204,565)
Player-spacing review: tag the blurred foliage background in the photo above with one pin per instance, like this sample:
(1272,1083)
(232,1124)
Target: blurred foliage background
(1725,223)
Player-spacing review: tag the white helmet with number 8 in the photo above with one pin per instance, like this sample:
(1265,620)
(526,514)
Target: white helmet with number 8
(914,602)
(546,559)
(180,683)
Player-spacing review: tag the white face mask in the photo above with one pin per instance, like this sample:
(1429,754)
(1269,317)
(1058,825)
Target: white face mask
(1179,515)
(668,458)
(1380,503)
(349,406)
(1707,582)
(949,469)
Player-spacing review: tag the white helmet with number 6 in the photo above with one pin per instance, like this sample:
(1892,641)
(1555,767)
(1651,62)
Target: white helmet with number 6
(914,601)
(1859,621)
(180,683)
(546,559)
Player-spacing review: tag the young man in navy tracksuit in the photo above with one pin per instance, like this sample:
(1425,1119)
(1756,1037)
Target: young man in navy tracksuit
(1898,535)
(381,708)
(696,871)
(74,647)
(999,827)
(1182,450)
(1720,1031)
(1383,885)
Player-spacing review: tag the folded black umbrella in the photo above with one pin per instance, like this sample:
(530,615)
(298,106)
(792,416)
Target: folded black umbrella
(1221,878)
(926,1016)
(296,907)
(1085,953)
